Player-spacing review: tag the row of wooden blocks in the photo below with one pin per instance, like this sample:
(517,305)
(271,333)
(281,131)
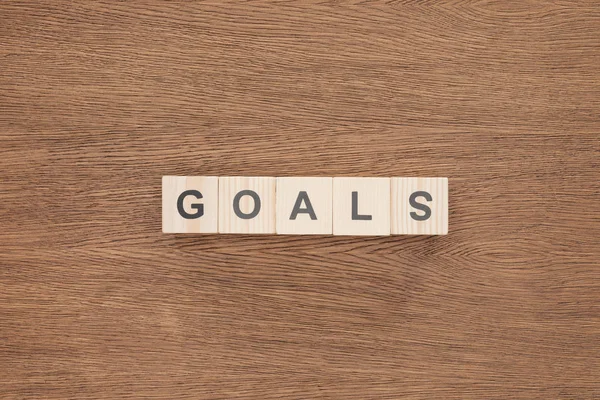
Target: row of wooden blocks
(305,205)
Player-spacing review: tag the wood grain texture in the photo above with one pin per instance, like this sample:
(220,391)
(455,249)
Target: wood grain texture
(99,100)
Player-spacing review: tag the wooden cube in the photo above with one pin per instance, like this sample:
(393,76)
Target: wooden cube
(419,206)
(304,206)
(361,206)
(190,204)
(246,204)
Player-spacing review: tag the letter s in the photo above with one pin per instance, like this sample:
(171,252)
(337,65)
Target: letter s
(413,203)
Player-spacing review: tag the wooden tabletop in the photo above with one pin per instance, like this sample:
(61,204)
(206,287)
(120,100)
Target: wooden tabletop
(99,100)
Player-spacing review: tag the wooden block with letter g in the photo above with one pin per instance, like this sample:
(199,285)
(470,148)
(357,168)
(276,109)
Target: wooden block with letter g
(189,204)
(246,204)
(419,206)
(304,206)
(361,206)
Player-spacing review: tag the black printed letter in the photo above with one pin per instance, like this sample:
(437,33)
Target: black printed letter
(302,196)
(236,204)
(419,206)
(199,207)
(355,214)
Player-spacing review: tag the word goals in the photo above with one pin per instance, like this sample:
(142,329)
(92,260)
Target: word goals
(305,205)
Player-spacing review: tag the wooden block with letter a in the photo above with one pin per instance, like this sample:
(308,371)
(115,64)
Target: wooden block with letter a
(189,204)
(246,204)
(419,206)
(304,206)
(361,206)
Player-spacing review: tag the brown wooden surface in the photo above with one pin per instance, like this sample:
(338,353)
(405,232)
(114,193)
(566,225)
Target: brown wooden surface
(98,100)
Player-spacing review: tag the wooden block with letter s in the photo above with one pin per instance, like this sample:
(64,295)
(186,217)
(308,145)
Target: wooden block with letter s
(419,206)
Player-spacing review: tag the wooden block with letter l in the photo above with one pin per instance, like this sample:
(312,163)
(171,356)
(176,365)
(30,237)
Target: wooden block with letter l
(304,205)
(246,204)
(361,206)
(189,204)
(419,206)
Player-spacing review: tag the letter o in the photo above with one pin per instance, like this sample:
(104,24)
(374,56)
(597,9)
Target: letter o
(236,204)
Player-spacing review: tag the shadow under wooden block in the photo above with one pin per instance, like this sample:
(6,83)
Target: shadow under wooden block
(190,204)
(361,206)
(246,204)
(419,206)
(304,205)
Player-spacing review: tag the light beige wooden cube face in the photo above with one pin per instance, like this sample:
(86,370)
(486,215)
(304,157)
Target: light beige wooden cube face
(304,206)
(246,204)
(190,204)
(419,206)
(361,206)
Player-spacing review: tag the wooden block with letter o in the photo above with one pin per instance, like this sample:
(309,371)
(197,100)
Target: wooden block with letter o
(419,206)
(304,206)
(361,206)
(246,204)
(189,204)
